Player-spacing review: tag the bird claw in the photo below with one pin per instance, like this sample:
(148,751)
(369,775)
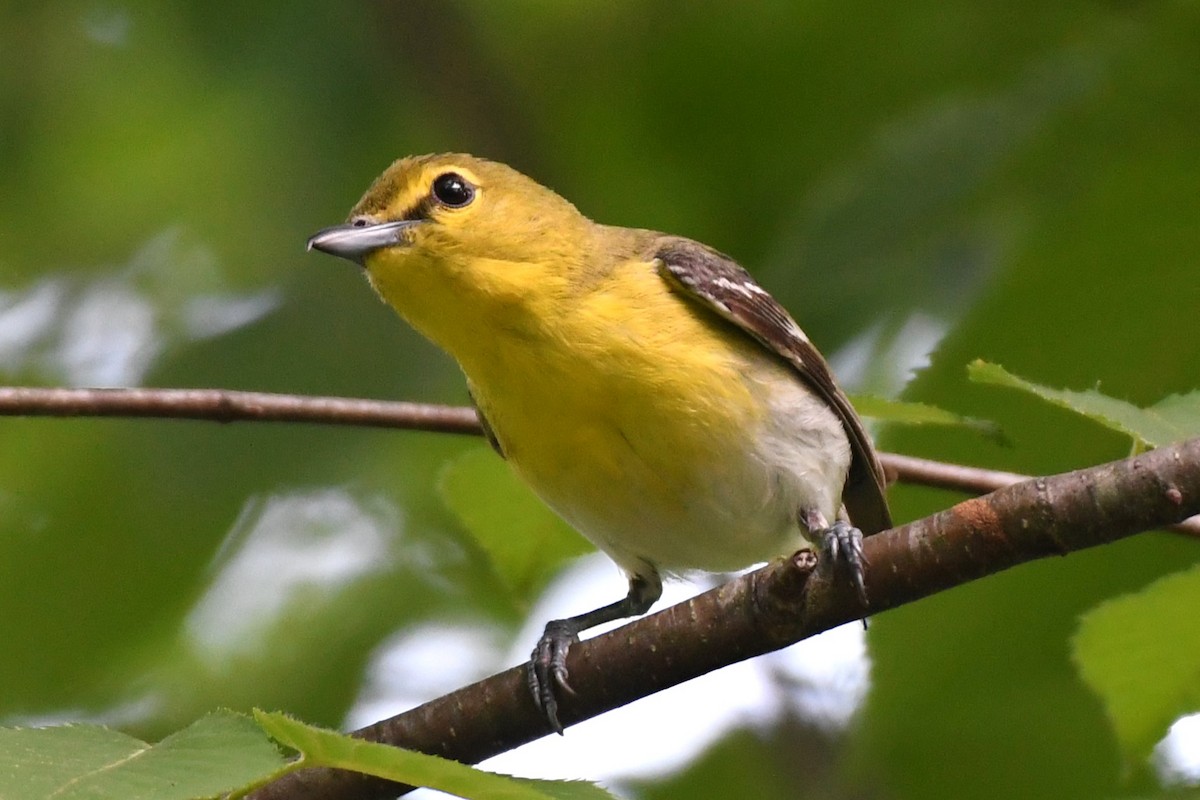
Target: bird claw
(547,675)
(843,543)
(548,670)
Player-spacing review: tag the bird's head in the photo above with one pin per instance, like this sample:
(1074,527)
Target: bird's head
(453,235)
(448,208)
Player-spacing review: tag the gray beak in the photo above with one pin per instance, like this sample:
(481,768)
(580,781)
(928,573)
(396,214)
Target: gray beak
(354,240)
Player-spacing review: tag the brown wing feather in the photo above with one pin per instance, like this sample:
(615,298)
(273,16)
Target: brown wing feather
(720,284)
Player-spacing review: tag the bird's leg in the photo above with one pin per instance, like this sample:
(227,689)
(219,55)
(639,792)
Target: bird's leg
(841,542)
(548,664)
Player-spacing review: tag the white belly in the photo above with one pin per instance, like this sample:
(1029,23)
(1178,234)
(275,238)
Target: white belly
(740,509)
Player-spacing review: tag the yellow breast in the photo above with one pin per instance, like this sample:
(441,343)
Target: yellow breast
(632,412)
(606,413)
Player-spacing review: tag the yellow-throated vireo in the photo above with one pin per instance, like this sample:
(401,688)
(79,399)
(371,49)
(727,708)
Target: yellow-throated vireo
(643,385)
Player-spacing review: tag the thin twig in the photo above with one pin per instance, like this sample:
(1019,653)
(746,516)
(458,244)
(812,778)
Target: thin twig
(940,475)
(226,406)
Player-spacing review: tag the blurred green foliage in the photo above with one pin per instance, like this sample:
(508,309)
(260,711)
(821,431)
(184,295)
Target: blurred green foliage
(922,184)
(1116,650)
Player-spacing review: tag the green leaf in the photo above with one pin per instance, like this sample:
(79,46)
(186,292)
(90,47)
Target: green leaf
(1179,412)
(1174,418)
(525,541)
(1139,652)
(212,756)
(908,413)
(331,749)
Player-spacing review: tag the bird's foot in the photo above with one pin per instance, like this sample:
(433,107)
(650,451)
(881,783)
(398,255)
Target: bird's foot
(548,663)
(548,669)
(843,544)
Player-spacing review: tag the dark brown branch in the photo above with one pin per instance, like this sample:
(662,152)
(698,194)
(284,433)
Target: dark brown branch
(938,474)
(785,602)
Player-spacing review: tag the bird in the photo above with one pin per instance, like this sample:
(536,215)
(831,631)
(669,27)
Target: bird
(643,385)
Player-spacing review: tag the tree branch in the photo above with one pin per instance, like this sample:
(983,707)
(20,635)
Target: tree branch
(225,406)
(783,603)
(766,610)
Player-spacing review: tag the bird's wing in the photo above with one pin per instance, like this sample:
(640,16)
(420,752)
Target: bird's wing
(489,432)
(721,285)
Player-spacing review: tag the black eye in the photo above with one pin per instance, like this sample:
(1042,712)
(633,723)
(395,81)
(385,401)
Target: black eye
(452,189)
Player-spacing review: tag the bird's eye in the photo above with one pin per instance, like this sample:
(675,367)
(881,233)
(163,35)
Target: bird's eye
(453,190)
